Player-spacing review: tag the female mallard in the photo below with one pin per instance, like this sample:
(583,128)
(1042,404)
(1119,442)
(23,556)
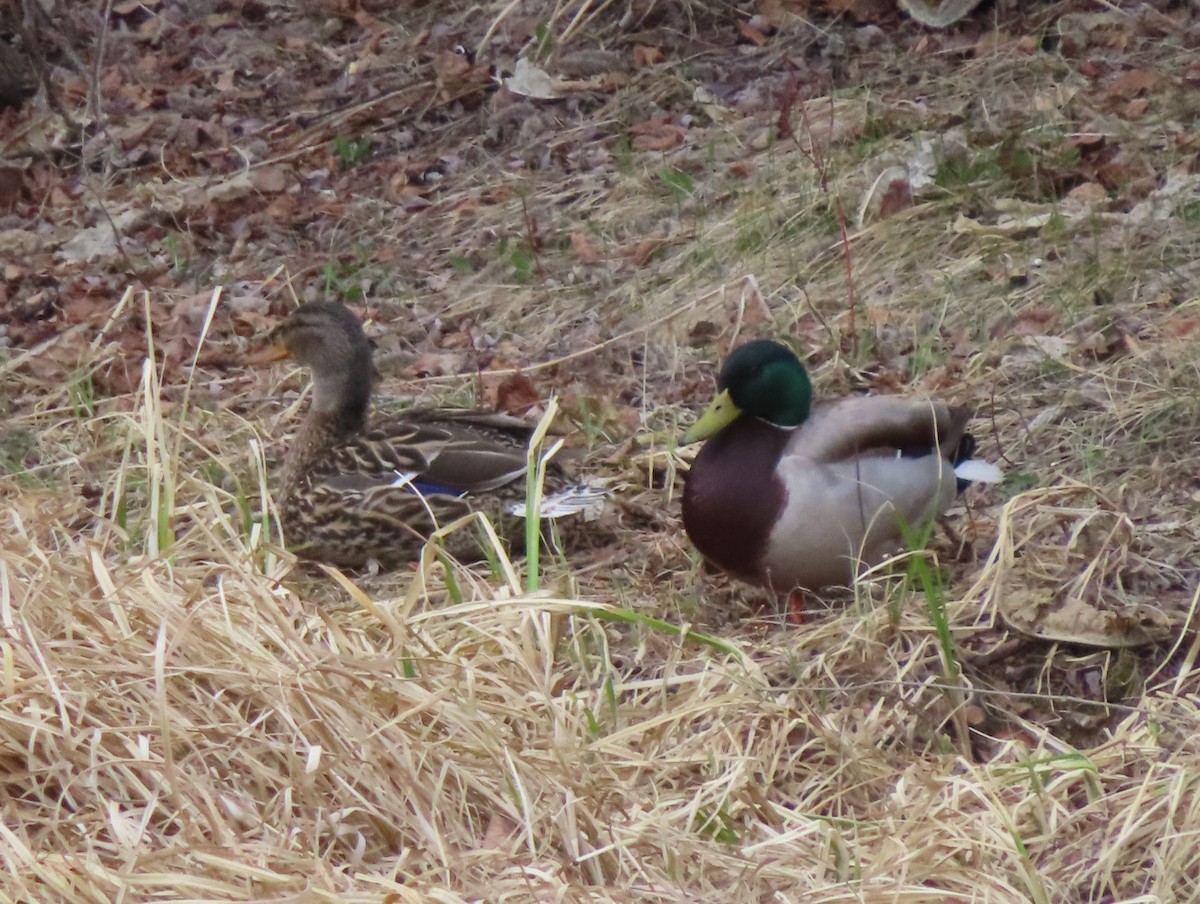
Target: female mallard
(789,495)
(351,492)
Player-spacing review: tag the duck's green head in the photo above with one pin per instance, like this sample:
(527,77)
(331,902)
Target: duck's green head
(763,379)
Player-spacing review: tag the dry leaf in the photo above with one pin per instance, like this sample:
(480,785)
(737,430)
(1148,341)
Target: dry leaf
(1131,83)
(702,333)
(772,11)
(645,57)
(95,241)
(1036,321)
(19,242)
(656,135)
(516,395)
(12,180)
(1136,108)
(283,207)
(530,81)
(599,84)
(896,197)
(1084,198)
(751,34)
(456,74)
(1181,326)
(582,246)
(269,179)
(641,252)
(1086,142)
(435,364)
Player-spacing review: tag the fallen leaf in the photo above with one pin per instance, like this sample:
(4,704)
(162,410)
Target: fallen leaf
(457,74)
(641,252)
(12,180)
(282,207)
(656,135)
(90,243)
(1181,326)
(644,57)
(825,121)
(516,395)
(1086,142)
(582,246)
(1132,83)
(1051,346)
(662,139)
(19,242)
(976,714)
(600,84)
(435,364)
(896,197)
(702,333)
(751,34)
(772,11)
(1136,108)
(86,309)
(1005,225)
(1116,169)
(1036,321)
(269,179)
(530,81)
(1084,198)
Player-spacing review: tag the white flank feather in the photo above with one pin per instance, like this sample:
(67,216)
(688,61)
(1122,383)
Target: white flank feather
(977,470)
(577,500)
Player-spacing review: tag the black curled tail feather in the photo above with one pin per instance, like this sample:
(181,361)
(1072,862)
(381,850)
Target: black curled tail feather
(965,451)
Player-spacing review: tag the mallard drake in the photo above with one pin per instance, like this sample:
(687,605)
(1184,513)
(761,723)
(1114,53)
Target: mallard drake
(352,491)
(791,495)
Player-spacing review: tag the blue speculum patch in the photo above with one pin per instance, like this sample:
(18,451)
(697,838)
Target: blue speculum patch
(432,489)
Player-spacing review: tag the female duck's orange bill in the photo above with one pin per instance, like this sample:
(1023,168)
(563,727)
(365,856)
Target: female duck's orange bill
(276,351)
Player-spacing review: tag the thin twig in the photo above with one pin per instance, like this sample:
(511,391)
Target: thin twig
(820,161)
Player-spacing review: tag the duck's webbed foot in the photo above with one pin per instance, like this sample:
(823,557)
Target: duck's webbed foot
(795,606)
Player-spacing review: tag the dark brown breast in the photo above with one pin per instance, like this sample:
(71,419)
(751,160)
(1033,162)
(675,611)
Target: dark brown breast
(733,497)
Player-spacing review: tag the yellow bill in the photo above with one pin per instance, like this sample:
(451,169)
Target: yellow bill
(720,413)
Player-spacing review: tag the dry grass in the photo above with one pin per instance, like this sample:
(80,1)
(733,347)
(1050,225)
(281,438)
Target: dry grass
(188,715)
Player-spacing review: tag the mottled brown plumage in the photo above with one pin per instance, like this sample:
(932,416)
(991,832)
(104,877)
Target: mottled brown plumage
(353,491)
